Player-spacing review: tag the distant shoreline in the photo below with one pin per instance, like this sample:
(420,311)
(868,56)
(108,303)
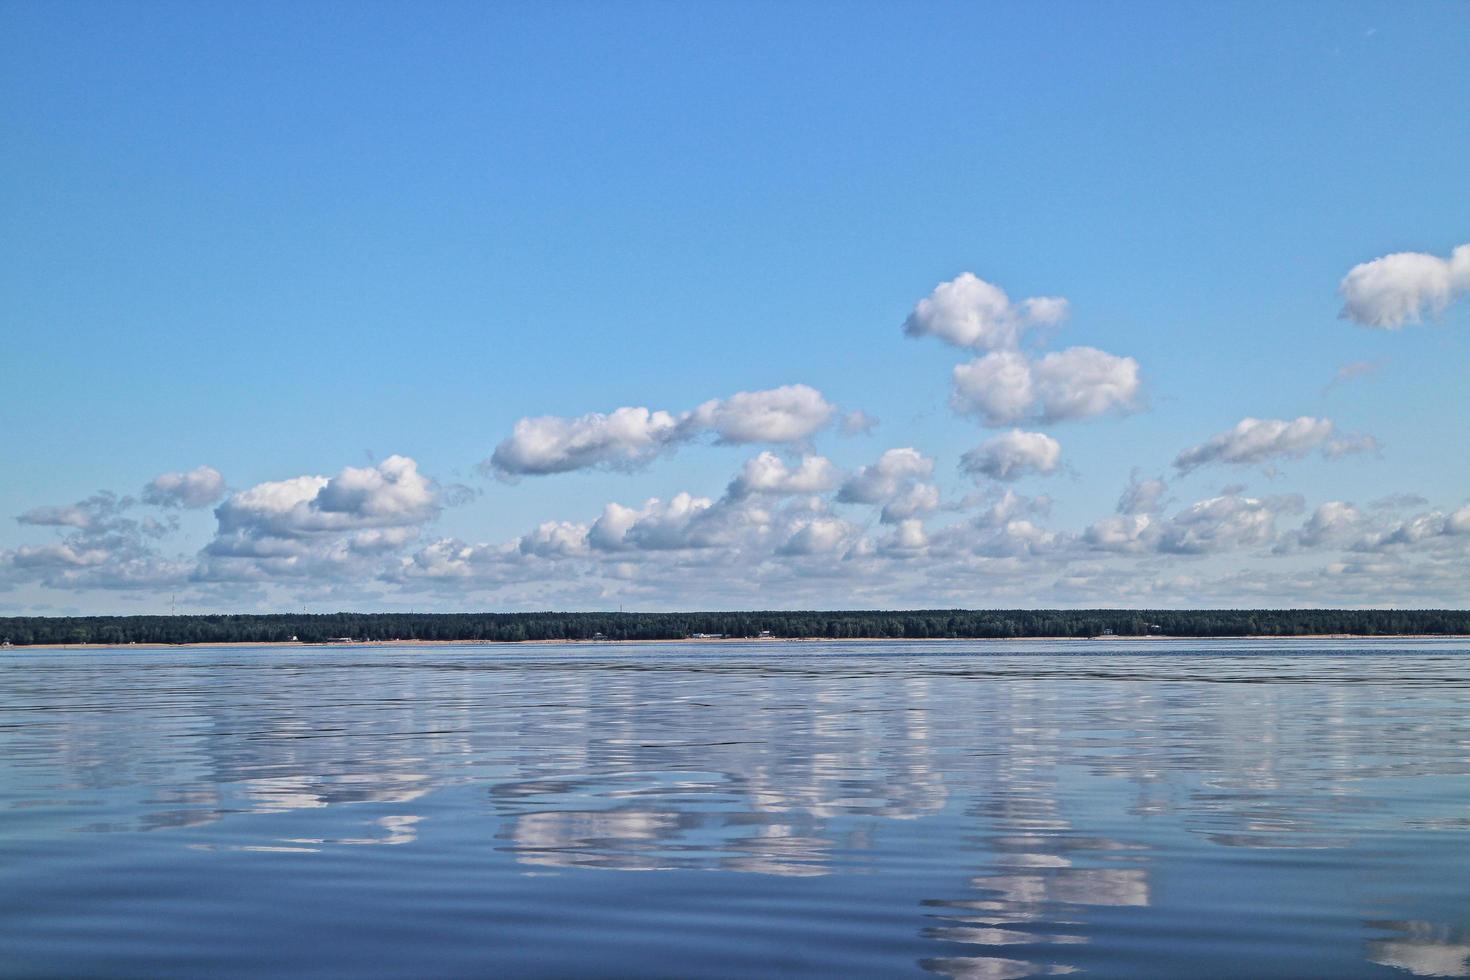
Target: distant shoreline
(715,640)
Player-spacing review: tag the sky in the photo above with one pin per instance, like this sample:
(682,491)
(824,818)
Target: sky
(714,306)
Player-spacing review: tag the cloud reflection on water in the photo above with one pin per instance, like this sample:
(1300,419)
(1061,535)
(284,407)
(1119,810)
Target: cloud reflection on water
(1030,790)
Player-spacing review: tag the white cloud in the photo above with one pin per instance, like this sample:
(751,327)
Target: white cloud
(1023,539)
(59,555)
(858,422)
(100,548)
(917,499)
(1349,445)
(1401,288)
(278,506)
(555,539)
(896,482)
(1432,527)
(769,474)
(330,528)
(819,536)
(381,540)
(791,413)
(1332,523)
(199,487)
(967,311)
(1222,524)
(1008,505)
(882,480)
(997,387)
(1014,455)
(1125,532)
(682,522)
(907,539)
(628,438)
(623,439)
(1080,382)
(98,514)
(1253,441)
(451,559)
(393,493)
(1142,496)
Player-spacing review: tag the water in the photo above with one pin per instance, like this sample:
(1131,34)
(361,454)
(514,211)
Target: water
(985,810)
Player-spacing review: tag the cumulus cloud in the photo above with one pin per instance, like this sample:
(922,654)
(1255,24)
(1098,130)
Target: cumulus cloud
(1219,524)
(629,437)
(449,559)
(769,474)
(908,539)
(896,481)
(1077,383)
(1399,289)
(884,479)
(1081,382)
(100,546)
(917,499)
(1252,441)
(1224,523)
(998,387)
(1142,496)
(1014,455)
(1431,527)
(858,423)
(791,413)
(682,522)
(393,493)
(74,554)
(1335,522)
(98,514)
(319,525)
(623,439)
(199,487)
(1124,532)
(1022,538)
(819,536)
(967,311)
(555,539)
(1008,505)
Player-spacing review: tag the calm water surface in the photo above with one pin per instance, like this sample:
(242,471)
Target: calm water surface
(986,810)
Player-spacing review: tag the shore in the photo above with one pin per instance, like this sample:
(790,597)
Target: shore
(288,644)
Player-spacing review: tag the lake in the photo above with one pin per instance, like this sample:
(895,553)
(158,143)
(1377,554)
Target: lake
(959,809)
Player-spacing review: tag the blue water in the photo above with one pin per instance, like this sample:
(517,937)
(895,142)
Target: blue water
(983,810)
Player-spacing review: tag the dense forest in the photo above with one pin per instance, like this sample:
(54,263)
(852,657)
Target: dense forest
(917,624)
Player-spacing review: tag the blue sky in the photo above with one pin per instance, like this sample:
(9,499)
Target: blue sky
(298,240)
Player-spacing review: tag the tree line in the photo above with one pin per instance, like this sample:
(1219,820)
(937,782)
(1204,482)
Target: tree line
(917,624)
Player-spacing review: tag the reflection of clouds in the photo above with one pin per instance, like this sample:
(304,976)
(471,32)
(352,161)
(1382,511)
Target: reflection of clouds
(652,821)
(608,839)
(980,934)
(401,829)
(1074,886)
(629,788)
(990,968)
(1423,949)
(1046,881)
(277,794)
(1008,771)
